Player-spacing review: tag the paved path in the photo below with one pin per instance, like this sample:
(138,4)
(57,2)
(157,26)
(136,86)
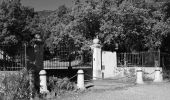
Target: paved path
(149,91)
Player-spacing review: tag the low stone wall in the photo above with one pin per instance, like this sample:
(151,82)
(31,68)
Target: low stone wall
(148,72)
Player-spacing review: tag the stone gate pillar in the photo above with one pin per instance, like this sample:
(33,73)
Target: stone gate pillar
(97,57)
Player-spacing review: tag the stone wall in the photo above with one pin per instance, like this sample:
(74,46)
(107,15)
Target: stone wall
(148,72)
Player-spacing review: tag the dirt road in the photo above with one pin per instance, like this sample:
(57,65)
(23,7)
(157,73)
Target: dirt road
(149,91)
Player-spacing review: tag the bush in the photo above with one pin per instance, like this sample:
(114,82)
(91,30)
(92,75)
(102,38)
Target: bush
(58,85)
(166,74)
(130,75)
(147,78)
(15,86)
(129,72)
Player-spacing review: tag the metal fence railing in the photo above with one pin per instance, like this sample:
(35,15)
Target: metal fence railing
(165,61)
(140,59)
(12,57)
(66,56)
(64,62)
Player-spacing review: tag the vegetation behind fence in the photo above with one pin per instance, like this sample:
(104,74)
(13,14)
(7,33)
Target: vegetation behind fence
(141,59)
(66,55)
(12,57)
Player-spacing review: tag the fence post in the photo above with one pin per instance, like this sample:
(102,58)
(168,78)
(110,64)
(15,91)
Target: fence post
(139,77)
(80,80)
(97,59)
(43,82)
(158,76)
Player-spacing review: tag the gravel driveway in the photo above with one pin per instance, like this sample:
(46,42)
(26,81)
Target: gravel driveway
(120,91)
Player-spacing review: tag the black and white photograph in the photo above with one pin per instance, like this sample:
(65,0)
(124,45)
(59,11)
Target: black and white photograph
(84,49)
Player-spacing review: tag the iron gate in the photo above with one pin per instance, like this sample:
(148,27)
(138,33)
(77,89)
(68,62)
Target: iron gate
(67,55)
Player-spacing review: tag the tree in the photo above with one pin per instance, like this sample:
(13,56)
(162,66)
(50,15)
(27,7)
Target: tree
(134,26)
(16,22)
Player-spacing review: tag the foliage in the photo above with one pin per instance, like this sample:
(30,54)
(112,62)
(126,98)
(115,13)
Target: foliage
(17,22)
(134,26)
(129,72)
(146,77)
(58,86)
(166,74)
(16,86)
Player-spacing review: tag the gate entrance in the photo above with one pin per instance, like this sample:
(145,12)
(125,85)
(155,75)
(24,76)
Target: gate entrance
(66,55)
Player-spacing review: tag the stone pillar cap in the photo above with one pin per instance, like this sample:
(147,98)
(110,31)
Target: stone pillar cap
(42,72)
(157,68)
(96,41)
(139,68)
(80,71)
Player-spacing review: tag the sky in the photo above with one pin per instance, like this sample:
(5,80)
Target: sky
(40,5)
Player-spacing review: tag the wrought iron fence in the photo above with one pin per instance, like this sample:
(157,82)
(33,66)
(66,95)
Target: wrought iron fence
(140,59)
(68,61)
(12,57)
(66,55)
(165,61)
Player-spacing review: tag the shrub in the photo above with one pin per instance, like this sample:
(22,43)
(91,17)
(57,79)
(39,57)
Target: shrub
(130,72)
(166,74)
(58,85)
(15,86)
(147,78)
(130,75)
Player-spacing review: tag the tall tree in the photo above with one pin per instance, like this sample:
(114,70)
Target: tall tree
(134,26)
(16,22)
